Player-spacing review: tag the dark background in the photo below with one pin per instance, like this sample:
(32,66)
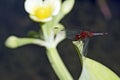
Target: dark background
(30,62)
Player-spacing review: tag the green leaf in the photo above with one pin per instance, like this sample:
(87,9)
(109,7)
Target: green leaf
(93,70)
(78,45)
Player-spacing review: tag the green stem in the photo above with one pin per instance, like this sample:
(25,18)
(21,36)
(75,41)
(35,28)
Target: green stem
(58,64)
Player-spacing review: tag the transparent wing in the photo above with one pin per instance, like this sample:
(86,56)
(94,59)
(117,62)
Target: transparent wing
(71,33)
(85,46)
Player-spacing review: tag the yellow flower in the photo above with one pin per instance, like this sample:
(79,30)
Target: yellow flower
(42,10)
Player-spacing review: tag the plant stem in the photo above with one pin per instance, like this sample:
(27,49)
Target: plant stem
(58,64)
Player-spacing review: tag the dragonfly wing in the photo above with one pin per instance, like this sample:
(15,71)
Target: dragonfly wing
(71,33)
(85,46)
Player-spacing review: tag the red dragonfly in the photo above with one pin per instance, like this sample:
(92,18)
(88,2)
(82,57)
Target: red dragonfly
(85,36)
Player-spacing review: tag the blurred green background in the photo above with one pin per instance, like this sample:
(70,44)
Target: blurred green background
(30,62)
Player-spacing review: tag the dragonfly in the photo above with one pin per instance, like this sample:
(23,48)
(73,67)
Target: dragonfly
(85,36)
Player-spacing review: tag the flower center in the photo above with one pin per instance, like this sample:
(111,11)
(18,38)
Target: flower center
(43,12)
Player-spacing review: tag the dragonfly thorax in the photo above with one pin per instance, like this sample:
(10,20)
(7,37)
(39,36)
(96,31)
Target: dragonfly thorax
(83,35)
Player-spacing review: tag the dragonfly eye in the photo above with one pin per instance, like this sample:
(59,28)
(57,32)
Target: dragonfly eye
(77,37)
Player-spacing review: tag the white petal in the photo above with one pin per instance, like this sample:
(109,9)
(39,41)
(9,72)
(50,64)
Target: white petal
(30,5)
(57,5)
(47,19)
(39,20)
